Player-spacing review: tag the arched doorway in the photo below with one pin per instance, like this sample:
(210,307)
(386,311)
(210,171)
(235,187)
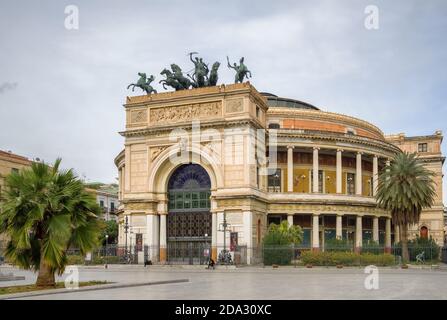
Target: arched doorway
(423,233)
(189,218)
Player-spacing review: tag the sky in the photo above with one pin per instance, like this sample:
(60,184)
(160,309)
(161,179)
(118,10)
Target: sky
(62,90)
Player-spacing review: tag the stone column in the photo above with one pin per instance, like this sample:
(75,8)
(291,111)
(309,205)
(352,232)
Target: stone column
(339,171)
(290,219)
(163,239)
(214,236)
(315,170)
(388,235)
(358,174)
(289,168)
(375,174)
(248,234)
(376,229)
(153,236)
(315,233)
(358,234)
(338,227)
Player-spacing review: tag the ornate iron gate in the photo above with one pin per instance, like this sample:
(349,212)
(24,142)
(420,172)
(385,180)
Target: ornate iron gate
(189,217)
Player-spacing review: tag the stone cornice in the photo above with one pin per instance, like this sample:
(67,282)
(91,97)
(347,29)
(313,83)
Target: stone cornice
(119,158)
(321,136)
(181,95)
(187,125)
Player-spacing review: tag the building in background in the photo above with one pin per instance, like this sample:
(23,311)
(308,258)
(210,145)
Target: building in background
(176,192)
(428,148)
(107,198)
(10,162)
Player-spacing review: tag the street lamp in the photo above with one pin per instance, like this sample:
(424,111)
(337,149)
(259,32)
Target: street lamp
(126,228)
(223,228)
(107,240)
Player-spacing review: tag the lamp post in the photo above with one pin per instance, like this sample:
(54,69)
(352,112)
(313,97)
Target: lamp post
(126,228)
(107,240)
(223,229)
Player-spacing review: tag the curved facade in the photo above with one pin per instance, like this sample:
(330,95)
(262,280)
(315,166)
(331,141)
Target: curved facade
(266,158)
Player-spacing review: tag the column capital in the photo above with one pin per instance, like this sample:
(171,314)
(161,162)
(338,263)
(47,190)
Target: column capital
(359,152)
(316,148)
(376,156)
(315,214)
(290,147)
(340,150)
(290,214)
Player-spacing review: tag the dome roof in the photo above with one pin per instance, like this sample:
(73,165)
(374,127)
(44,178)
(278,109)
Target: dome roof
(275,101)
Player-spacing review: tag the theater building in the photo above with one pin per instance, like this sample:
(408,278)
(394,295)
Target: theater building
(199,164)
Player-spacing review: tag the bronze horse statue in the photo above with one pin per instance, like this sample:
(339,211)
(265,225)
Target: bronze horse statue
(241,70)
(143,83)
(170,80)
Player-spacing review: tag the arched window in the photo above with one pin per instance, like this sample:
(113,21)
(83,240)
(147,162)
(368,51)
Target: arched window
(423,233)
(274,126)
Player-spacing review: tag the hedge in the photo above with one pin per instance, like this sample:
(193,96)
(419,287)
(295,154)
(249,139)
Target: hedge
(78,260)
(281,255)
(419,245)
(346,258)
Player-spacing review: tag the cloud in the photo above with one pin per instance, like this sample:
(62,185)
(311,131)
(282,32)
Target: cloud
(318,52)
(7,86)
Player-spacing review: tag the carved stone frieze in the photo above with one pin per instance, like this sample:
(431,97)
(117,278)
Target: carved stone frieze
(234,105)
(187,112)
(138,116)
(155,151)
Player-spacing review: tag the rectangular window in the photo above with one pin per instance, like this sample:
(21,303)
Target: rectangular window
(257,112)
(422,147)
(101,203)
(274,181)
(350,183)
(320,180)
(15,170)
(112,206)
(370,190)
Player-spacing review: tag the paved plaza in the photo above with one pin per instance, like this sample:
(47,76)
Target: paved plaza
(253,283)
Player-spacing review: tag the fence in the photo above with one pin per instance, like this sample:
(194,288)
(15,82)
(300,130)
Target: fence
(200,253)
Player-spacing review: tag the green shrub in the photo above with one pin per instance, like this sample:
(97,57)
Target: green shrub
(278,243)
(417,246)
(372,247)
(338,245)
(104,260)
(278,255)
(75,259)
(333,258)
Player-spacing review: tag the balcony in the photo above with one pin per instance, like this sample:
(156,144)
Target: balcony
(321,197)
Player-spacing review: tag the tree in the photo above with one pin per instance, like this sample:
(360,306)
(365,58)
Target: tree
(405,188)
(109,228)
(278,240)
(46,211)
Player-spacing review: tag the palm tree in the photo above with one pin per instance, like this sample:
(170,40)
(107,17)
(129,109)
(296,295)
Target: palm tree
(45,212)
(405,188)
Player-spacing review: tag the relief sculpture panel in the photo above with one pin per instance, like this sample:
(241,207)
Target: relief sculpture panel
(186,112)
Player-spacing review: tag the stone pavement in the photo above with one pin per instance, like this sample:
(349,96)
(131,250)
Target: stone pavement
(256,283)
